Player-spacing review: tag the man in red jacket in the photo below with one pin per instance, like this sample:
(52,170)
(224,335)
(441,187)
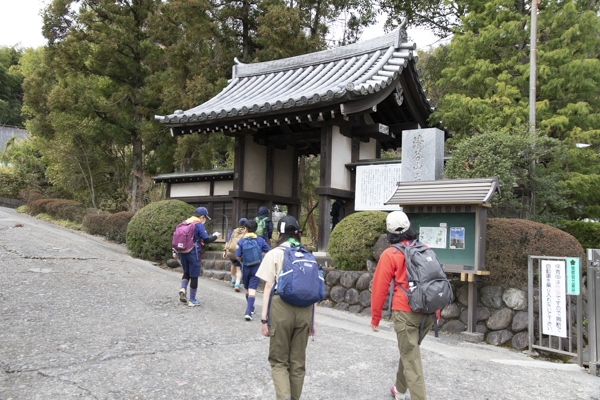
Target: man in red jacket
(406,323)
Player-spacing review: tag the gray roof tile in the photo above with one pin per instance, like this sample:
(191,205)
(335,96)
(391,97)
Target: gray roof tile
(445,191)
(355,70)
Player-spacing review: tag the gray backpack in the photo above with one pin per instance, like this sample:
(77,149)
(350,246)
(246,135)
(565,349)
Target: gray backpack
(428,287)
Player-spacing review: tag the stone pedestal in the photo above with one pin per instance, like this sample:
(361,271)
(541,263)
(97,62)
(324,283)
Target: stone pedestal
(473,337)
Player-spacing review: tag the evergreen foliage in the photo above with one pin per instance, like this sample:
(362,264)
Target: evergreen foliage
(11,182)
(586,232)
(351,242)
(11,91)
(150,231)
(482,83)
(522,164)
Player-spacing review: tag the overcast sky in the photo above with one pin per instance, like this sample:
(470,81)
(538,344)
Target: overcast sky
(21,24)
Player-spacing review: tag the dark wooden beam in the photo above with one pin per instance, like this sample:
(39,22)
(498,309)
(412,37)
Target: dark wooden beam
(378,132)
(333,192)
(397,129)
(263,197)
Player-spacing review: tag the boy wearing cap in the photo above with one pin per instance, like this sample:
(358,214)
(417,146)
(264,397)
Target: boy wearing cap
(288,326)
(392,264)
(192,261)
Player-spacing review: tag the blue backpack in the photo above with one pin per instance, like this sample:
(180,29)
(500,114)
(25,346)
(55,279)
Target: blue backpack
(300,281)
(251,253)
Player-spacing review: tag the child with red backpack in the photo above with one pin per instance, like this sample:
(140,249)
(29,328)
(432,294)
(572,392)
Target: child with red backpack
(250,252)
(187,241)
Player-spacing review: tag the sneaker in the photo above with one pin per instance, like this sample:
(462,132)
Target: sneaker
(397,395)
(182,295)
(193,303)
(248,317)
(237,288)
(252,313)
(233,283)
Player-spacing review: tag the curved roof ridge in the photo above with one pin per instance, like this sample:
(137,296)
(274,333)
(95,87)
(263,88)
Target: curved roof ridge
(394,38)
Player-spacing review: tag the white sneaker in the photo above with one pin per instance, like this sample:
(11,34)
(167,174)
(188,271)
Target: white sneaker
(182,295)
(397,395)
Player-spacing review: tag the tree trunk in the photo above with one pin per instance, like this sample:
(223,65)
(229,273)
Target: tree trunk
(136,172)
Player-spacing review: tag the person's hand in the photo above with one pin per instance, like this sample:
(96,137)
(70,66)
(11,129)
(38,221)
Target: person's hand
(375,328)
(217,234)
(438,315)
(224,254)
(264,328)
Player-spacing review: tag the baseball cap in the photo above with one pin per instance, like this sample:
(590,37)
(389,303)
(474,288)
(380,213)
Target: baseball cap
(201,211)
(288,224)
(242,221)
(397,222)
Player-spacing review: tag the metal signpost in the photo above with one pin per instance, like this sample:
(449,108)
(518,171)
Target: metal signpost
(593,287)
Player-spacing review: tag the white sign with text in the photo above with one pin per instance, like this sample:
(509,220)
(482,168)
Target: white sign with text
(375,184)
(553,297)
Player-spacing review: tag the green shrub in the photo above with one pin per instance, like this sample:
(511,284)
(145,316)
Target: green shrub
(510,241)
(351,242)
(150,231)
(111,226)
(11,182)
(587,233)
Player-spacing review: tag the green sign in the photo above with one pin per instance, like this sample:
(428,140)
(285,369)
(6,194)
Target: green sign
(572,275)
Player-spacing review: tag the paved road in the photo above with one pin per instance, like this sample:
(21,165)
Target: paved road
(79,318)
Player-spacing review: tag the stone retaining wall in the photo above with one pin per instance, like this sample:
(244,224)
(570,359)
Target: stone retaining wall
(502,314)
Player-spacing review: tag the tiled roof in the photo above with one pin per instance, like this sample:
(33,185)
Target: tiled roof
(445,191)
(316,79)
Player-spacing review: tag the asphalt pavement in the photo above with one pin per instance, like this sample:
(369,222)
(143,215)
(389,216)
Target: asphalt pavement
(80,318)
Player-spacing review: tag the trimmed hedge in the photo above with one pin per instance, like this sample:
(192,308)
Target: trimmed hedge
(587,233)
(111,226)
(351,242)
(150,231)
(58,208)
(510,241)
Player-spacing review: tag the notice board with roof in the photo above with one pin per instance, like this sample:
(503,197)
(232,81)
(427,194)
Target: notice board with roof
(450,216)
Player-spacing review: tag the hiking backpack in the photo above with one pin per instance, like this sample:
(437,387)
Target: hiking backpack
(261,223)
(251,253)
(300,281)
(230,246)
(183,237)
(428,287)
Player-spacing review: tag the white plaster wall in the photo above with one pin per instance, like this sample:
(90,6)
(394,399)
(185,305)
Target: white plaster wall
(222,188)
(341,155)
(368,151)
(284,169)
(255,167)
(190,189)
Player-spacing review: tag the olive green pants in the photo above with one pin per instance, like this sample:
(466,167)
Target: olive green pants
(290,326)
(410,368)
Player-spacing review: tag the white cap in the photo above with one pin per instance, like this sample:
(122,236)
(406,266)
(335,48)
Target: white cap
(397,222)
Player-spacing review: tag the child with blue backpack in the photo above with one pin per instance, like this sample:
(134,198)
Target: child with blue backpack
(250,251)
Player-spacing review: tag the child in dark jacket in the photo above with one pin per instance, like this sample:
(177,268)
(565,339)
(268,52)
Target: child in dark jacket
(264,225)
